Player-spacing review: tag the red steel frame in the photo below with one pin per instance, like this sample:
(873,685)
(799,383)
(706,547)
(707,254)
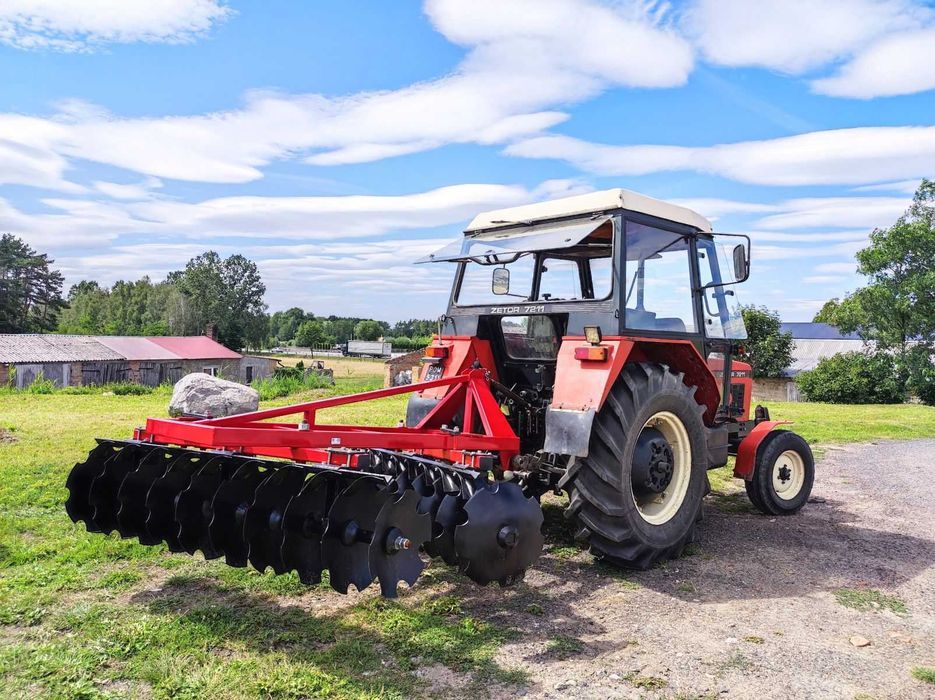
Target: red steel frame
(484,428)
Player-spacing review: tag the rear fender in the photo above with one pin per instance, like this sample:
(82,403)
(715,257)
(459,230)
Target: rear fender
(747,450)
(582,386)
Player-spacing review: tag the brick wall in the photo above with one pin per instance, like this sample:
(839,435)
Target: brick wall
(783,389)
(4,374)
(410,361)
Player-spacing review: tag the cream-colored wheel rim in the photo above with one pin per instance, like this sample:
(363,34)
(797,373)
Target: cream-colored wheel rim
(660,508)
(788,475)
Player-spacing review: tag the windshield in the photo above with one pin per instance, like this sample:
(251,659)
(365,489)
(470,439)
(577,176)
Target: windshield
(575,272)
(722,316)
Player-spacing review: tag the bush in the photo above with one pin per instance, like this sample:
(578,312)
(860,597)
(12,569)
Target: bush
(853,377)
(922,374)
(289,380)
(129,389)
(41,385)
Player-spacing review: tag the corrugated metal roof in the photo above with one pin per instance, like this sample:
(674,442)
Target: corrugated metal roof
(135,347)
(34,348)
(816,331)
(808,353)
(196,347)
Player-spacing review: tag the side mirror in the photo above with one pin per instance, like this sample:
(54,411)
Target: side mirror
(740,262)
(500,281)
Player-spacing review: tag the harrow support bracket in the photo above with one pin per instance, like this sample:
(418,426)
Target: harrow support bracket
(483,428)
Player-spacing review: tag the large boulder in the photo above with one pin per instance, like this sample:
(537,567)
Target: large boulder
(203,395)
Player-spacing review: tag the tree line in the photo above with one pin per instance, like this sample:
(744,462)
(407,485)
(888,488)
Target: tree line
(302,328)
(225,294)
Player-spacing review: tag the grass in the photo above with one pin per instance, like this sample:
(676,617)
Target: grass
(840,424)
(869,599)
(91,616)
(645,682)
(926,674)
(563,647)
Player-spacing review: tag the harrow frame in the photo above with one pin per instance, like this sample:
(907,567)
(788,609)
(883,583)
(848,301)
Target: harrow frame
(486,433)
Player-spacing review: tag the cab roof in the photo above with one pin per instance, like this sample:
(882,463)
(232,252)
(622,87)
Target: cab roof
(593,202)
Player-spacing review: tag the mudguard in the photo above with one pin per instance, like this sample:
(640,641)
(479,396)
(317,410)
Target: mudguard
(746,451)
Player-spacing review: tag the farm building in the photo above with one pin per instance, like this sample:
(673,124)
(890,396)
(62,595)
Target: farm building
(813,343)
(70,360)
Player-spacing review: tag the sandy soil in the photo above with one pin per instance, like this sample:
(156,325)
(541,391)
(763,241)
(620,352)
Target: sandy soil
(753,613)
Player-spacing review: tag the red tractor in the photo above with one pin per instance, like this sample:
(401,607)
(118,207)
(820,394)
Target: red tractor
(587,348)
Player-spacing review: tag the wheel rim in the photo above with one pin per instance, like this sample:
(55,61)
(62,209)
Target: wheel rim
(659,508)
(788,475)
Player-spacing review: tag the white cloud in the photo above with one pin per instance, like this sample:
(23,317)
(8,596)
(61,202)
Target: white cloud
(837,268)
(900,64)
(71,25)
(836,212)
(504,89)
(904,186)
(132,191)
(839,156)
(793,35)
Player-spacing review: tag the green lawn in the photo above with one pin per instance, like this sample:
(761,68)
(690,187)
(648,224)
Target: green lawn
(86,616)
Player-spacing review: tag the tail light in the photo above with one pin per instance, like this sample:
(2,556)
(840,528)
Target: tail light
(436,352)
(591,353)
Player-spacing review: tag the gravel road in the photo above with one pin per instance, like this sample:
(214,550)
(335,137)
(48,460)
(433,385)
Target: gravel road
(753,612)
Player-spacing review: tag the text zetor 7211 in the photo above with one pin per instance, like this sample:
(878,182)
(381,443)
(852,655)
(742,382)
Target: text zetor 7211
(586,349)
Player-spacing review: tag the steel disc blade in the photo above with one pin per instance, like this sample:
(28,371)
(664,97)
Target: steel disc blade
(449,515)
(304,522)
(164,494)
(229,509)
(131,516)
(346,541)
(193,507)
(502,535)
(400,529)
(78,505)
(263,525)
(104,489)
(431,495)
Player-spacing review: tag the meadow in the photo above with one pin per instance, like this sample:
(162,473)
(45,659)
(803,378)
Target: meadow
(87,616)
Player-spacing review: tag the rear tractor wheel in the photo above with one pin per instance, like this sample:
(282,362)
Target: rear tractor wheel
(783,474)
(638,494)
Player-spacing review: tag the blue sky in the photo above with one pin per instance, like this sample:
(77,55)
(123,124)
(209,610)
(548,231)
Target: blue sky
(334,142)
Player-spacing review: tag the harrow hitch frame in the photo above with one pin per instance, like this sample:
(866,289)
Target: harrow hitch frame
(484,432)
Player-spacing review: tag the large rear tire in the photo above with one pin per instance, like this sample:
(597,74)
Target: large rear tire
(638,494)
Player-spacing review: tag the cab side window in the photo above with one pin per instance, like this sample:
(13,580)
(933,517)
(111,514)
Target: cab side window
(658,280)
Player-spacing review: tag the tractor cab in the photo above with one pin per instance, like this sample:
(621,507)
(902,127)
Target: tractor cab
(611,264)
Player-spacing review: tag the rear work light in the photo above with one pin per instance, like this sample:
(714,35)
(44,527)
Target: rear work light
(438,352)
(591,353)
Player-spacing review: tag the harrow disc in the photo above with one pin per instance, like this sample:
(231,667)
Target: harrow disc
(131,515)
(164,494)
(229,508)
(193,508)
(449,516)
(78,505)
(501,536)
(400,529)
(346,542)
(263,525)
(304,521)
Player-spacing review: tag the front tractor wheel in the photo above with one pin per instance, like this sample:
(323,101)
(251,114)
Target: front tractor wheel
(637,495)
(783,474)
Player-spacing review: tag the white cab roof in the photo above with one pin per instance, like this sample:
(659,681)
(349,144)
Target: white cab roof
(605,200)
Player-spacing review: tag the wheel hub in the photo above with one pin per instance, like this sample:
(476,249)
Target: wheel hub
(653,463)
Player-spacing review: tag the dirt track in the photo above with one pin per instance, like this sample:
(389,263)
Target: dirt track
(752,613)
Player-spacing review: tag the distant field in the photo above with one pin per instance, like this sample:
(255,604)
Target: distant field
(86,616)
